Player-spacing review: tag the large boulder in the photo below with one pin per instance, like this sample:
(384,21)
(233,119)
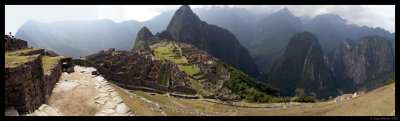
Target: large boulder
(51,53)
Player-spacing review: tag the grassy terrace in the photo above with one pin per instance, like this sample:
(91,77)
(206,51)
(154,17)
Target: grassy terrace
(165,53)
(48,62)
(21,51)
(164,80)
(16,60)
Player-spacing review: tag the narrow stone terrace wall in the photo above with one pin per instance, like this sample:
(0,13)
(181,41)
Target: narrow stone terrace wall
(24,85)
(50,79)
(33,52)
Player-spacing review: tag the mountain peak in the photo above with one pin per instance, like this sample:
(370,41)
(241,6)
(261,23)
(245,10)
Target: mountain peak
(184,9)
(143,34)
(285,11)
(186,27)
(331,18)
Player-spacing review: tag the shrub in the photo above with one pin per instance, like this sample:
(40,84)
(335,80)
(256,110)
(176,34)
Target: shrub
(279,100)
(304,98)
(389,81)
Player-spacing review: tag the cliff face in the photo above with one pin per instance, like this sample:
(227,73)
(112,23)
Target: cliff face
(302,66)
(369,58)
(186,27)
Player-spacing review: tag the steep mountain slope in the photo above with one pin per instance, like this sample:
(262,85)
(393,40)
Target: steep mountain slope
(79,38)
(239,21)
(302,66)
(273,34)
(369,58)
(186,27)
(338,66)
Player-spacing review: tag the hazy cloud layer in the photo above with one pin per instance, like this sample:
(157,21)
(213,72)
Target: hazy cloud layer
(370,15)
(15,15)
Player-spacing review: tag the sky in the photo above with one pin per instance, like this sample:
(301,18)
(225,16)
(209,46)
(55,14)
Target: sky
(15,15)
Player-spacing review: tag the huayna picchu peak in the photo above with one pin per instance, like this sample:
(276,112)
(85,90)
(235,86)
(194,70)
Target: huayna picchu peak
(186,27)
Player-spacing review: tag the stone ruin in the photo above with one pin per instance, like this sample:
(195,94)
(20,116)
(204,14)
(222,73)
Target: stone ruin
(27,86)
(138,70)
(18,44)
(207,64)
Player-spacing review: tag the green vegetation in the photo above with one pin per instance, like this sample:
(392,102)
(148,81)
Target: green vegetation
(302,97)
(49,62)
(189,69)
(165,53)
(16,60)
(199,108)
(21,51)
(200,88)
(380,79)
(279,99)
(390,81)
(164,80)
(156,98)
(246,87)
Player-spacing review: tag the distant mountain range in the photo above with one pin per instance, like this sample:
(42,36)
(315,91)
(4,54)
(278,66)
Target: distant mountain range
(81,38)
(267,35)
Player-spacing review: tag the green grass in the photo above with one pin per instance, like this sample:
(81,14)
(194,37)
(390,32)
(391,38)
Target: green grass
(156,98)
(48,62)
(16,60)
(199,108)
(189,69)
(21,51)
(164,79)
(199,88)
(165,53)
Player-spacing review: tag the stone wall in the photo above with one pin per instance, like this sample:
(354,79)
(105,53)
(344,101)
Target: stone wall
(24,85)
(50,79)
(17,45)
(33,52)
(137,69)
(67,64)
(184,96)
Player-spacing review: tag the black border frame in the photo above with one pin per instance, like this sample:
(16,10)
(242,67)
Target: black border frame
(209,2)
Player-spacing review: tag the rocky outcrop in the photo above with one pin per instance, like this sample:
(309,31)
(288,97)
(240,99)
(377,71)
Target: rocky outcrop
(302,66)
(186,27)
(18,44)
(361,62)
(142,39)
(51,53)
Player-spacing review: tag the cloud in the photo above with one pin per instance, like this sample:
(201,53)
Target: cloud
(15,15)
(370,15)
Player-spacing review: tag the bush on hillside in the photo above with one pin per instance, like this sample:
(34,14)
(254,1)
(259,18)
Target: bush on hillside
(389,81)
(304,98)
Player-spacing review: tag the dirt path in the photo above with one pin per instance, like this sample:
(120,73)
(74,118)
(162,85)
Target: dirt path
(83,94)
